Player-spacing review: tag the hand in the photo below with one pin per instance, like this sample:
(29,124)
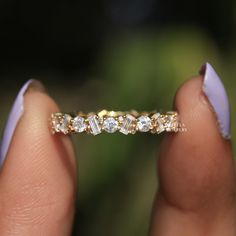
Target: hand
(196,168)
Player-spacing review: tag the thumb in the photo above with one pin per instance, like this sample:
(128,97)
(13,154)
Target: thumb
(38,175)
(196,167)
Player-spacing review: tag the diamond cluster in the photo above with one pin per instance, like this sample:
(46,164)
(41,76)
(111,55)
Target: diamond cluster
(111,122)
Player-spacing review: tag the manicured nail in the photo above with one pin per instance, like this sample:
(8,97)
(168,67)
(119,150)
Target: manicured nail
(217,96)
(15,115)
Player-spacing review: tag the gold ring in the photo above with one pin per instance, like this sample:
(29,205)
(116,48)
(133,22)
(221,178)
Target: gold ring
(111,121)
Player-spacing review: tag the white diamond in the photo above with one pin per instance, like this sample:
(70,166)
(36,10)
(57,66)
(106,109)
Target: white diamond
(158,122)
(168,123)
(56,118)
(110,125)
(127,124)
(79,124)
(94,124)
(144,123)
(65,123)
(171,122)
(61,123)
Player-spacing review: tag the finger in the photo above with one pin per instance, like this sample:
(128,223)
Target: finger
(196,168)
(37,179)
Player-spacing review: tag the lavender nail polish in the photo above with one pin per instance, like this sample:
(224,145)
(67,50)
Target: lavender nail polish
(13,119)
(217,96)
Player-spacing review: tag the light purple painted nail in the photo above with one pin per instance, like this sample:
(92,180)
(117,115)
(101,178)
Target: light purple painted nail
(217,96)
(14,117)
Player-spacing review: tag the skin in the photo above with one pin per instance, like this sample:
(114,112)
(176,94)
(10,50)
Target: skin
(196,172)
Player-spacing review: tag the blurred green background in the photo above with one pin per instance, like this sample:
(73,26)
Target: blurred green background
(115,55)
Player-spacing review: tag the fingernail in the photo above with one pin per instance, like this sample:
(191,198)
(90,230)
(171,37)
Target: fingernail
(15,115)
(215,91)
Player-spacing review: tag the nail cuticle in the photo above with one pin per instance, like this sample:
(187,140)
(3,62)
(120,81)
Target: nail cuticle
(35,85)
(203,98)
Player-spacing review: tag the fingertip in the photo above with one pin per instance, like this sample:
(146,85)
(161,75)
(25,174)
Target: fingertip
(196,166)
(39,173)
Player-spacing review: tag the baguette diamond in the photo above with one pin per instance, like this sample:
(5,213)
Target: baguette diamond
(171,122)
(94,125)
(128,124)
(158,122)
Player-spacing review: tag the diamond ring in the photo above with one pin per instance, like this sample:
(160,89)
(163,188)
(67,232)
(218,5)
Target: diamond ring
(112,121)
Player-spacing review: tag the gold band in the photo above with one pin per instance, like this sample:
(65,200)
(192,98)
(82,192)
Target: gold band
(112,121)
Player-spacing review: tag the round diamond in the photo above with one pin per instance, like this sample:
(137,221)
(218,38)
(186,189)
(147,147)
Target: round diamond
(79,124)
(144,123)
(110,125)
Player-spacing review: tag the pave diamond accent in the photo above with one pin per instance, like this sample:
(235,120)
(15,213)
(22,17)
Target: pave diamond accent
(158,122)
(127,124)
(144,123)
(79,124)
(94,125)
(110,125)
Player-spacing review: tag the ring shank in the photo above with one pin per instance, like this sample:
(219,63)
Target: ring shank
(128,122)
